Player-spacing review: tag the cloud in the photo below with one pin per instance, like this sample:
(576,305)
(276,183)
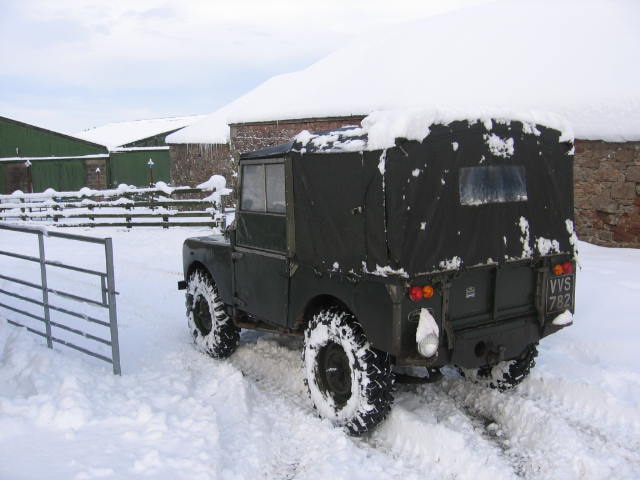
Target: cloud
(93,49)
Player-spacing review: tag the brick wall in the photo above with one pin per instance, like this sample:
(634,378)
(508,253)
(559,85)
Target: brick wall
(96,179)
(607,192)
(194,163)
(246,137)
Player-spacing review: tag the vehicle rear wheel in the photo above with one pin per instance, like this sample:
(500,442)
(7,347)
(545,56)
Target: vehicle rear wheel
(505,375)
(349,382)
(213,331)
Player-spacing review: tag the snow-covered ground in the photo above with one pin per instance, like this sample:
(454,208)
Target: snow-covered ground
(177,414)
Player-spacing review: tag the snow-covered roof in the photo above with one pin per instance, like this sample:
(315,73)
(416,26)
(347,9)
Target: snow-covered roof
(577,58)
(213,128)
(123,133)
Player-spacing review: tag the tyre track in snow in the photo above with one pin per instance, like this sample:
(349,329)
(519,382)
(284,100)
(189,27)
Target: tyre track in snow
(273,367)
(426,415)
(446,444)
(550,445)
(587,408)
(456,427)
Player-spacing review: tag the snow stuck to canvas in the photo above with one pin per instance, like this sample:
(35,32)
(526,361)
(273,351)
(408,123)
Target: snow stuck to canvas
(380,129)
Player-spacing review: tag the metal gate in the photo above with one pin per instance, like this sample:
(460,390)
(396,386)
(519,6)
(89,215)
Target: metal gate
(107,296)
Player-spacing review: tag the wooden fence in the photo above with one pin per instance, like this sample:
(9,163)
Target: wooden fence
(123,207)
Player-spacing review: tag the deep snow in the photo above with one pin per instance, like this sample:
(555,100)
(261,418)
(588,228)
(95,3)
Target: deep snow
(576,58)
(176,413)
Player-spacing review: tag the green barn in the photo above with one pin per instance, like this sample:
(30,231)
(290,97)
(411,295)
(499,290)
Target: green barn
(138,152)
(34,158)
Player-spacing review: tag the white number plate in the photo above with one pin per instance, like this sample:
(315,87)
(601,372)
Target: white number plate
(560,293)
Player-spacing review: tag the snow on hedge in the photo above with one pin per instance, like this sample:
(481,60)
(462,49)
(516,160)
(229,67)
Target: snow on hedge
(577,58)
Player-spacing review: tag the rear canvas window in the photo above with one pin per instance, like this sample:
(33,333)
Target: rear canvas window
(263,188)
(492,184)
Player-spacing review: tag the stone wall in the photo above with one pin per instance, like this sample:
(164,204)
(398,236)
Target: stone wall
(247,137)
(95,173)
(607,192)
(194,163)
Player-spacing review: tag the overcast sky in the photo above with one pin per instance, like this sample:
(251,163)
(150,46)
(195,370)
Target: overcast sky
(75,64)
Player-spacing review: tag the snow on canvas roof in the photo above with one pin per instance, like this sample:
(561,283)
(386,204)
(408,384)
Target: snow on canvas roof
(577,58)
(122,133)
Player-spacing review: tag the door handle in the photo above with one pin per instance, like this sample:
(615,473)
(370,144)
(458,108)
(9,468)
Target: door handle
(236,255)
(358,210)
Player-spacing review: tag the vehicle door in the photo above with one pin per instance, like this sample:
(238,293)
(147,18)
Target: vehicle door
(260,262)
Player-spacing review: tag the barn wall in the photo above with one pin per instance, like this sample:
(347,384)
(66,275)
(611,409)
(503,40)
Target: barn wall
(62,175)
(97,180)
(132,167)
(607,192)
(15,177)
(194,163)
(19,139)
(246,137)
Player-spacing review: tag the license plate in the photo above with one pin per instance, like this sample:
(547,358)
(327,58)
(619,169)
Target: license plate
(560,293)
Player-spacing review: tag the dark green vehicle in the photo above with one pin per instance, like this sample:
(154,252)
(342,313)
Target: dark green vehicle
(454,250)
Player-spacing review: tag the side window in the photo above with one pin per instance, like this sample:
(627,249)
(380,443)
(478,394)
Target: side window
(263,188)
(253,192)
(275,188)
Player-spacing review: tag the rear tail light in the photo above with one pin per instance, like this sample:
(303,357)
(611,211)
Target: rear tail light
(417,293)
(563,268)
(427,291)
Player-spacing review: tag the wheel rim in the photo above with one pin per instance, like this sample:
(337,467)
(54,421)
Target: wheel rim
(334,373)
(202,316)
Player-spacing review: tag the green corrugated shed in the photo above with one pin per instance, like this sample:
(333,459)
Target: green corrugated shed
(62,175)
(57,160)
(19,139)
(131,167)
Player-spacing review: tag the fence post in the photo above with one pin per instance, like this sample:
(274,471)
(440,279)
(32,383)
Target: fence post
(45,289)
(113,316)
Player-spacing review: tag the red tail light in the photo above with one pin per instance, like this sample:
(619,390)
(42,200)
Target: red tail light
(567,267)
(415,293)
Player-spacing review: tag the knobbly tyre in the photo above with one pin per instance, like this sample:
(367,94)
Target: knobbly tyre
(455,250)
